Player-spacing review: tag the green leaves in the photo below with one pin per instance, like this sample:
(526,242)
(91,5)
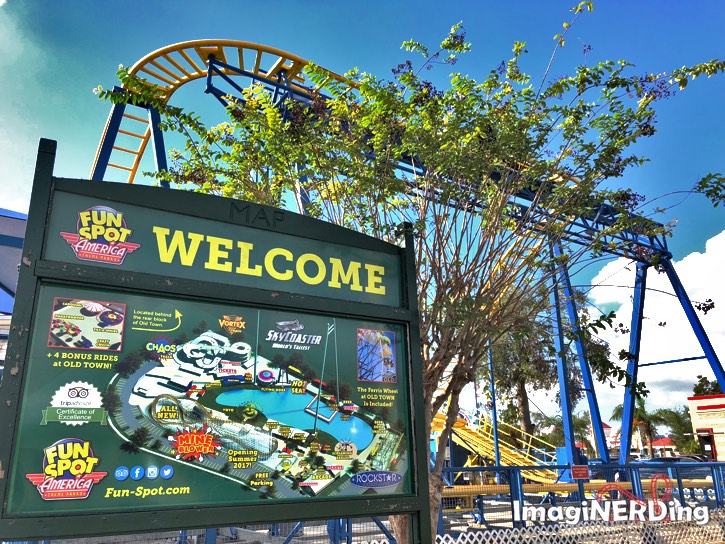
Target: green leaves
(681,76)
(518,48)
(603,322)
(713,186)
(488,170)
(455,41)
(413,46)
(587,4)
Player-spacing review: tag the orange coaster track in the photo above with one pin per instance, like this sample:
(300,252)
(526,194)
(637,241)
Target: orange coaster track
(173,66)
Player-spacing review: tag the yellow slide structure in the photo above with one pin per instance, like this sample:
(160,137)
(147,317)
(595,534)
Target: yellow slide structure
(516,448)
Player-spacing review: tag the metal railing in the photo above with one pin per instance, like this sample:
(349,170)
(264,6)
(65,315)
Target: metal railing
(479,503)
(485,498)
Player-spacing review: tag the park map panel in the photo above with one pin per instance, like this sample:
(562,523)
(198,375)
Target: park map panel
(159,402)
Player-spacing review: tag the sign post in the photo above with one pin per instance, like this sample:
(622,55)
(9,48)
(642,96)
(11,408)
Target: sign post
(206,362)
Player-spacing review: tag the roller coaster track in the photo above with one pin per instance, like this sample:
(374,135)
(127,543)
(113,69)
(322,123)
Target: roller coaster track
(174,66)
(126,137)
(182,421)
(217,424)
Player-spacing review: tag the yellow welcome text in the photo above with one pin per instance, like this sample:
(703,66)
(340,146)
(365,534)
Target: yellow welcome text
(278,263)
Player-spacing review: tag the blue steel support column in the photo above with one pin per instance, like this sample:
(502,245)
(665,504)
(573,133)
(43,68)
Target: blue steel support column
(383,529)
(334,528)
(303,195)
(157,142)
(695,322)
(109,140)
(598,428)
(293,532)
(516,489)
(569,441)
(635,337)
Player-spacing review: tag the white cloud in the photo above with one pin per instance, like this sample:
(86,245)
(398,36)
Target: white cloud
(669,384)
(666,332)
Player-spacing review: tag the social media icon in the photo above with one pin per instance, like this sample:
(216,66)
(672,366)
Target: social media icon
(137,473)
(167,471)
(152,472)
(121,473)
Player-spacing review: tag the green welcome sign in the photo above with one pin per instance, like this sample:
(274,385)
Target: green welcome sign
(206,362)
(227,253)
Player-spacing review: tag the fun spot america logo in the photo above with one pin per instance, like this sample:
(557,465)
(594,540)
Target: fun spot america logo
(68,470)
(102,235)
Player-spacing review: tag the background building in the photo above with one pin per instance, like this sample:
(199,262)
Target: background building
(12,231)
(708,423)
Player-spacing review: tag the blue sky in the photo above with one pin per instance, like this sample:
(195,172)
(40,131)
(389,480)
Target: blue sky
(53,53)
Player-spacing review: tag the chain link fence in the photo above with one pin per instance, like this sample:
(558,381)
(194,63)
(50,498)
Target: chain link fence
(309,532)
(490,505)
(673,532)
(366,531)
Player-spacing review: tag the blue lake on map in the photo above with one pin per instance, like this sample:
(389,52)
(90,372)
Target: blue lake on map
(289,409)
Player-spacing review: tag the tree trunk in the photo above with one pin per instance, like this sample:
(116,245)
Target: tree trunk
(400,526)
(651,440)
(647,439)
(435,487)
(522,399)
(435,479)
(400,523)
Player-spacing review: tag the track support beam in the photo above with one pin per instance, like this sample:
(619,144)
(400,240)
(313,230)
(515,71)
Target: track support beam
(105,147)
(598,429)
(572,457)
(700,333)
(635,338)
